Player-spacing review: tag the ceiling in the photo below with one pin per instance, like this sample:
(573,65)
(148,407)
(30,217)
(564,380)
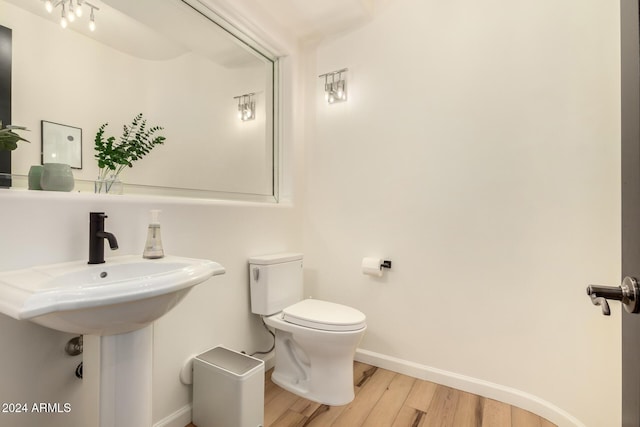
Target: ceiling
(314,20)
(162,30)
(305,20)
(127,35)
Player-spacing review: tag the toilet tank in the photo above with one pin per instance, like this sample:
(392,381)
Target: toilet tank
(275,281)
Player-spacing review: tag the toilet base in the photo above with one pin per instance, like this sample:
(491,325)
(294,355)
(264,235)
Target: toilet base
(343,396)
(320,370)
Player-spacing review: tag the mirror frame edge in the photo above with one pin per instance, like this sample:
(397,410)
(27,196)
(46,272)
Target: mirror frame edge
(236,25)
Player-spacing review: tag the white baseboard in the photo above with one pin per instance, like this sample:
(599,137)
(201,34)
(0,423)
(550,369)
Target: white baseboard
(529,402)
(483,388)
(179,418)
(269,360)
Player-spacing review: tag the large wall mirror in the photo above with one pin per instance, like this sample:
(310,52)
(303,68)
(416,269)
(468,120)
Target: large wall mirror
(175,61)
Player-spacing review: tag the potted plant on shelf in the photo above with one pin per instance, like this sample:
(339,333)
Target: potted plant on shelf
(9,138)
(9,142)
(114,156)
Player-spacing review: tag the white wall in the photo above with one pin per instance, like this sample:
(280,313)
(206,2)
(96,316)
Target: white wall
(478,150)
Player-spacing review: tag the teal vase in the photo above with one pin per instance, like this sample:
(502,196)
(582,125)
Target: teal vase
(35,175)
(57,177)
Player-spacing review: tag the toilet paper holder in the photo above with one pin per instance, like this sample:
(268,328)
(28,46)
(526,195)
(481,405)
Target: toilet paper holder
(375,266)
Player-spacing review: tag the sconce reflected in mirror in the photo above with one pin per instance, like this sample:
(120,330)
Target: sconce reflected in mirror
(246,106)
(61,144)
(335,86)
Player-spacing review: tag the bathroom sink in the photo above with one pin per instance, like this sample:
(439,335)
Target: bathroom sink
(124,294)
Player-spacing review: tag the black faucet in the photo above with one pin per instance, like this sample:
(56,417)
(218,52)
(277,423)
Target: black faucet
(97,236)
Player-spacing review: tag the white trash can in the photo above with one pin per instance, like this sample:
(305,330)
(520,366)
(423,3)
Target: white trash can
(228,389)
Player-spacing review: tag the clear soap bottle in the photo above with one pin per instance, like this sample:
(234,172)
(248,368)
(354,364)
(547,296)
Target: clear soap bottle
(153,247)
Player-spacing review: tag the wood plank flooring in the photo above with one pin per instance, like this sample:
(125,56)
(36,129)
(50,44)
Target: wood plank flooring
(388,399)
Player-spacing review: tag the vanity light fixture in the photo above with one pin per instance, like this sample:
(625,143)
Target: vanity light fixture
(74,11)
(246,106)
(335,86)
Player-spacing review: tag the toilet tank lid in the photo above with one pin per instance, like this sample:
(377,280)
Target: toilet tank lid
(275,258)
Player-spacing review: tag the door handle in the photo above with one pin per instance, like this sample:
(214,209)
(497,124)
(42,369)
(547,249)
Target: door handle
(628,293)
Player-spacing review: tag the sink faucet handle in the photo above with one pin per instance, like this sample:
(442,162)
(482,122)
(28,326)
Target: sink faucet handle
(97,218)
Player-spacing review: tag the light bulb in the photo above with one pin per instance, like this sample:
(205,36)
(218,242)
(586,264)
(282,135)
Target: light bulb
(331,98)
(79,10)
(48,5)
(72,16)
(92,25)
(63,18)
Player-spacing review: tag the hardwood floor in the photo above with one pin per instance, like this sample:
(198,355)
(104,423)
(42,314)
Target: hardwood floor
(387,399)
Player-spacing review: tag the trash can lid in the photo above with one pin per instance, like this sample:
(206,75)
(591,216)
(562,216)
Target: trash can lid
(232,361)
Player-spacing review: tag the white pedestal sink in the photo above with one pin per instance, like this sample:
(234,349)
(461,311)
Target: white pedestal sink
(115,301)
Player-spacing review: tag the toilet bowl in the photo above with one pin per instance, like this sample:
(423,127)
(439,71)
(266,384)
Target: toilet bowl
(316,362)
(315,340)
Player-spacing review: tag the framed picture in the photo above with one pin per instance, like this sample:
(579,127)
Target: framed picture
(61,144)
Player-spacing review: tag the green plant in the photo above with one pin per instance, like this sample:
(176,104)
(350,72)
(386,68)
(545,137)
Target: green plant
(136,141)
(9,139)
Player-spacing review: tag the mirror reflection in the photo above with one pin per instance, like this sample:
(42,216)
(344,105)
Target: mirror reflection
(164,58)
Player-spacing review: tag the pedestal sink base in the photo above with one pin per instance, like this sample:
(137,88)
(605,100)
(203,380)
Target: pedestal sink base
(125,379)
(124,373)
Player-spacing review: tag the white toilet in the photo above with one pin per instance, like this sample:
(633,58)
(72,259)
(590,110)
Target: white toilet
(315,340)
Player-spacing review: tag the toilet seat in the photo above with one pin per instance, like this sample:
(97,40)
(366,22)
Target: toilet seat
(324,315)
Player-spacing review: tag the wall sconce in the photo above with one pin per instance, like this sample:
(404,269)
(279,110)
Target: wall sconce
(74,11)
(335,86)
(246,106)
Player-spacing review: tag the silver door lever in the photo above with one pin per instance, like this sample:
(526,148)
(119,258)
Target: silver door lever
(628,293)
(601,301)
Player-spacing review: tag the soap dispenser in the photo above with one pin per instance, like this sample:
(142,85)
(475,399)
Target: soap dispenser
(153,247)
